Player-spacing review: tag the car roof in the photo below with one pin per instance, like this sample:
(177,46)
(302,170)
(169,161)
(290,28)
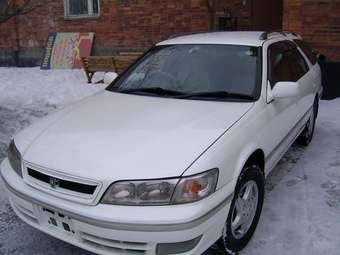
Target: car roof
(249,38)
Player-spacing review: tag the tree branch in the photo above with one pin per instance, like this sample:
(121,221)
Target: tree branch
(9,9)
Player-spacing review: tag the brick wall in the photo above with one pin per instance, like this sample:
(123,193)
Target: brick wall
(8,43)
(136,24)
(318,21)
(139,23)
(7,32)
(131,24)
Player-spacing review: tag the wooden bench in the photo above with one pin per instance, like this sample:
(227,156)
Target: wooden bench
(94,64)
(124,59)
(117,63)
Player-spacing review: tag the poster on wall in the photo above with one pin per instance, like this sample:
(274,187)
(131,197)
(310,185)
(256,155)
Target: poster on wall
(64,50)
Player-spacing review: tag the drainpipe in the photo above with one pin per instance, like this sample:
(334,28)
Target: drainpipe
(252,25)
(17,38)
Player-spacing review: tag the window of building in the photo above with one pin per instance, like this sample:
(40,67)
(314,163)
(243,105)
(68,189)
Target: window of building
(3,4)
(81,8)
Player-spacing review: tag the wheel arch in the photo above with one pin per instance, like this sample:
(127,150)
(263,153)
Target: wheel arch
(250,157)
(257,158)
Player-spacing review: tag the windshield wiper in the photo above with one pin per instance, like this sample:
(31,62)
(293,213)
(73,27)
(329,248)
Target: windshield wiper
(152,90)
(166,92)
(217,95)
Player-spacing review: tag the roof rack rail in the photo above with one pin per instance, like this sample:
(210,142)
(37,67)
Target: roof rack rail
(190,33)
(265,35)
(194,33)
(291,32)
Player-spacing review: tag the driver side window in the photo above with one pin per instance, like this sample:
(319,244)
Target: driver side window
(285,63)
(279,66)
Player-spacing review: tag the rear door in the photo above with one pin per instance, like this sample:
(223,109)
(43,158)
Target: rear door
(301,73)
(310,56)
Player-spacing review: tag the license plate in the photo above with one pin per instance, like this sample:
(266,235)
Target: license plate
(57,220)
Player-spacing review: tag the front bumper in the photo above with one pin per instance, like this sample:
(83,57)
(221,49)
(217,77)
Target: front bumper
(108,229)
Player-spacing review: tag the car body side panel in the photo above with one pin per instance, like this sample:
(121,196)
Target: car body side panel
(232,150)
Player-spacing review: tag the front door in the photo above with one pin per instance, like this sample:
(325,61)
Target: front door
(282,113)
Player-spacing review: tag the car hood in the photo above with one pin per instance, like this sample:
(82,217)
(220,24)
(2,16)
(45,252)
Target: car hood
(113,136)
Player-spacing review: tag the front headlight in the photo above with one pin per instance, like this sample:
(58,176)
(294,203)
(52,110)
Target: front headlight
(14,158)
(162,192)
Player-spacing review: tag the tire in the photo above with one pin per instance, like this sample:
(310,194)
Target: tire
(235,238)
(307,134)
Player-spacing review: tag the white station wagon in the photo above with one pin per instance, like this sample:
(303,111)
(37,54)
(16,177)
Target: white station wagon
(172,156)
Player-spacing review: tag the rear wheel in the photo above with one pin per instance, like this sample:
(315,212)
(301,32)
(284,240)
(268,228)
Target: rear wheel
(245,210)
(307,134)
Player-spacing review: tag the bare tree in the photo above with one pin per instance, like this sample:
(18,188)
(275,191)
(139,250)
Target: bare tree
(211,5)
(13,8)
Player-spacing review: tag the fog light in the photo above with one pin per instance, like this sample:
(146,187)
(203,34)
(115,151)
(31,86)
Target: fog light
(174,248)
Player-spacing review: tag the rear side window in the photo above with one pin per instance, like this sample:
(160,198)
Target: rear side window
(308,50)
(285,63)
(297,63)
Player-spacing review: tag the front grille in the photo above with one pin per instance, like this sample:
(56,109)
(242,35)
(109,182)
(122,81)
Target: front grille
(63,184)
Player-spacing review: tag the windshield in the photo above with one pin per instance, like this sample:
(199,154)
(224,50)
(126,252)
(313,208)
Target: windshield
(194,69)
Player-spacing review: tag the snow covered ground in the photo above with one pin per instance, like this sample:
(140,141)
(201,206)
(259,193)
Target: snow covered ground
(302,205)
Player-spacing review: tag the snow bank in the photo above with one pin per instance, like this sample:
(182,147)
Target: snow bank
(30,93)
(32,87)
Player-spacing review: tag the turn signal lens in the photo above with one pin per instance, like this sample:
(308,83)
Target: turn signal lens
(193,187)
(197,187)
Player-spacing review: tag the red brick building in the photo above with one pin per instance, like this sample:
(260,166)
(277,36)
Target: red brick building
(137,24)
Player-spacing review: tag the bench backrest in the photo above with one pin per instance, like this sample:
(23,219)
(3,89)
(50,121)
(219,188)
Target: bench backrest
(117,63)
(124,59)
(99,63)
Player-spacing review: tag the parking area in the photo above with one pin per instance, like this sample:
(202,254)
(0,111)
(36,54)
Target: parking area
(302,204)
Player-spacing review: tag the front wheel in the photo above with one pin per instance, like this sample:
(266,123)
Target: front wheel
(245,210)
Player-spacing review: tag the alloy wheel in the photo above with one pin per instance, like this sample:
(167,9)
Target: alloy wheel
(244,209)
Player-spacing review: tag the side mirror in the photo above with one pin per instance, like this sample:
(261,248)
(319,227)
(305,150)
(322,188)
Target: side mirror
(109,77)
(321,58)
(284,89)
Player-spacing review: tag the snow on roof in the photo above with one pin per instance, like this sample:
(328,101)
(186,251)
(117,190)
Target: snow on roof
(250,38)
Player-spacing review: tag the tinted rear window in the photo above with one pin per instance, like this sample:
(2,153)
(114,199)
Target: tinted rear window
(308,50)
